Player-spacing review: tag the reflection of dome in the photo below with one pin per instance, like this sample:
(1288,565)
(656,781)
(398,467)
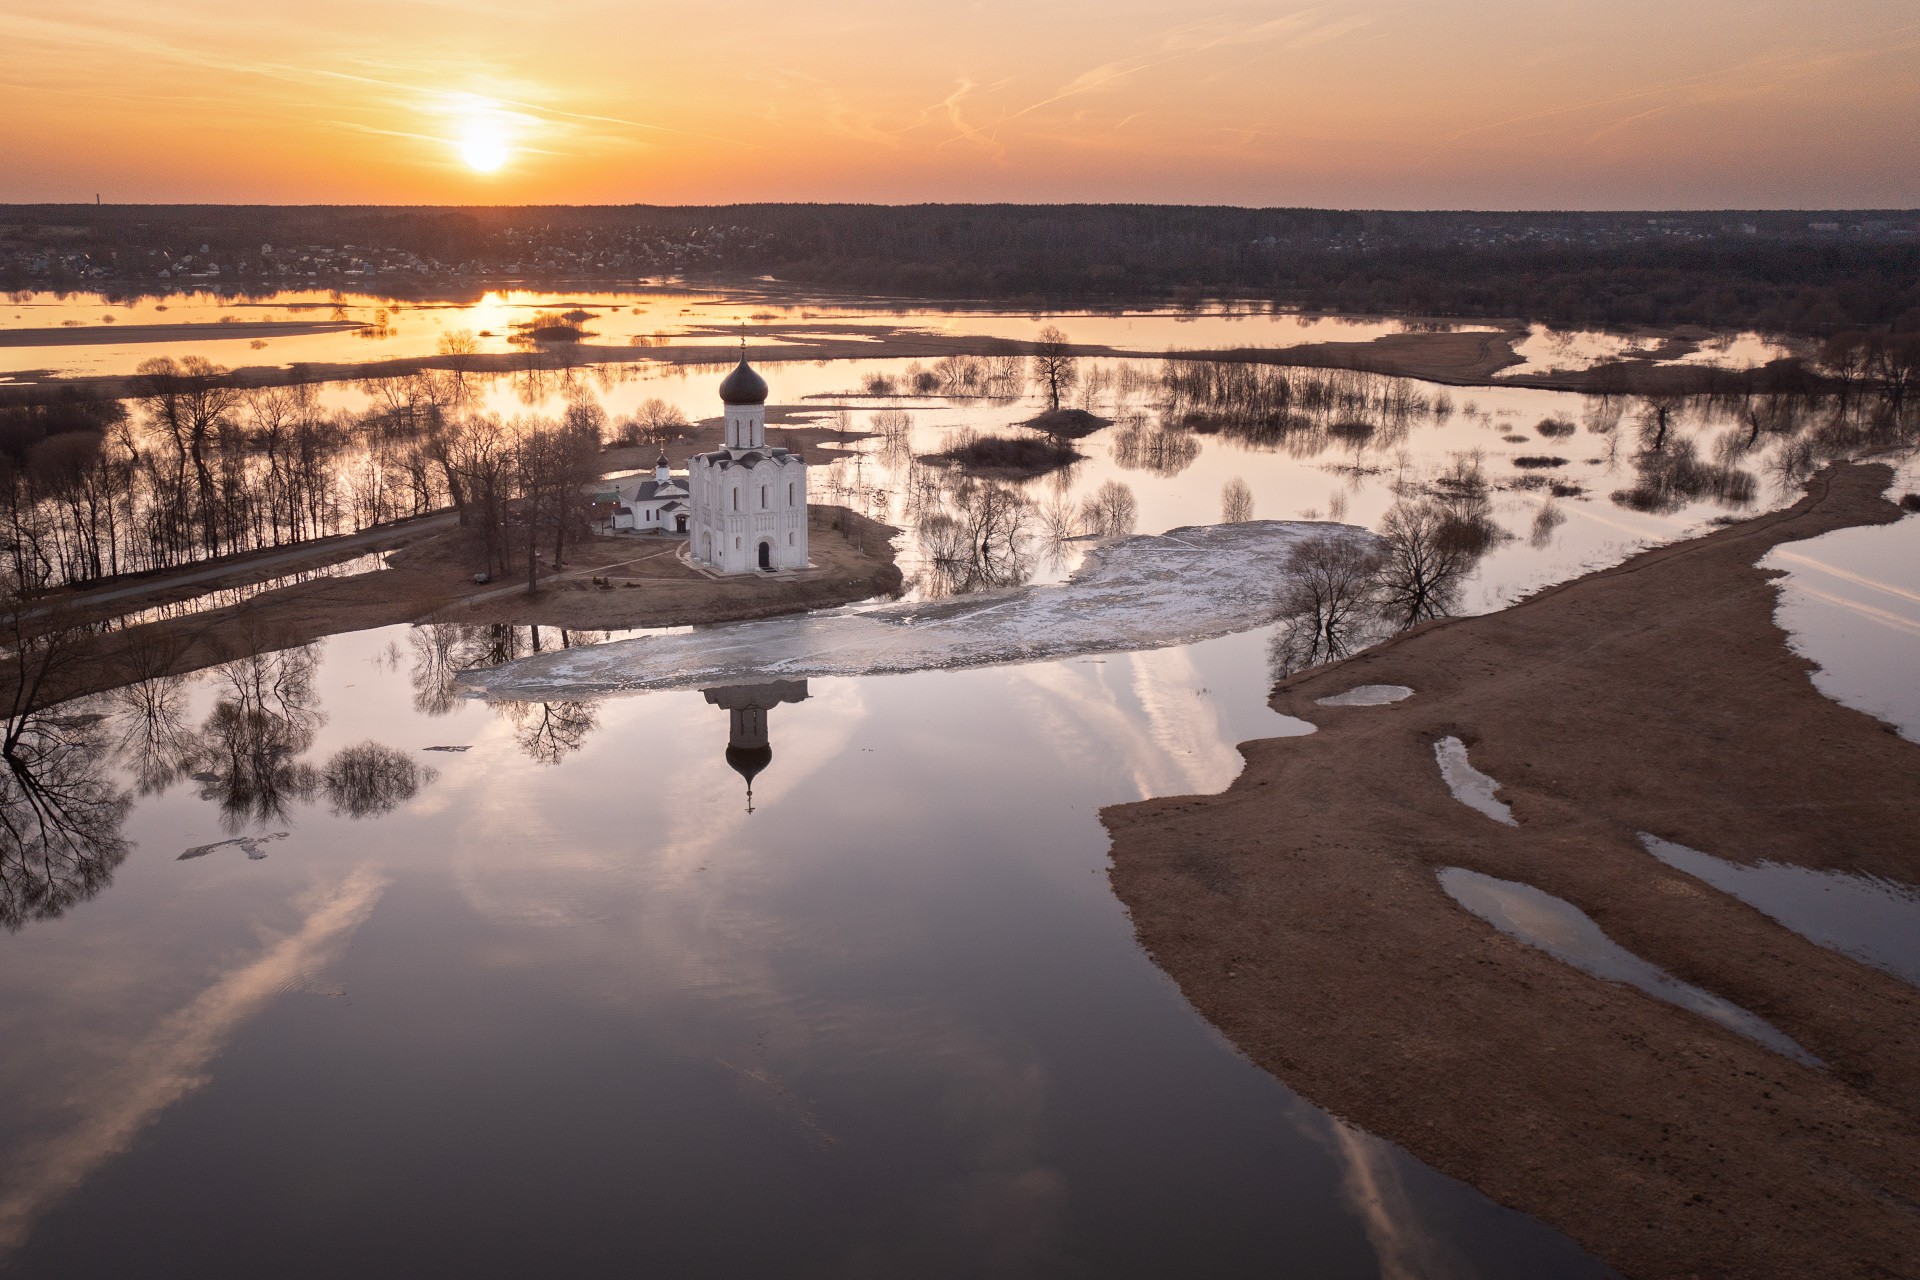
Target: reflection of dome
(743,386)
(749,761)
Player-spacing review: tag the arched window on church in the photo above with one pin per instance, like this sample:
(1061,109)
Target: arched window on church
(763,497)
(789,493)
(736,499)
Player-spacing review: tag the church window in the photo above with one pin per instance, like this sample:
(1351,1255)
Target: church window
(789,493)
(763,497)
(736,499)
(736,544)
(789,539)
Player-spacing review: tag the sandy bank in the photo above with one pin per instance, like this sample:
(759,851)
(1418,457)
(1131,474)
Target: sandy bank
(1301,913)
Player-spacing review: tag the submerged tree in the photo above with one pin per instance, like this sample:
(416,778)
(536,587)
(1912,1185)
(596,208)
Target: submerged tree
(1328,604)
(1426,557)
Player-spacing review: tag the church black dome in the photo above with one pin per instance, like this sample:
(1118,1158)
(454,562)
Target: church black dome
(743,386)
(749,761)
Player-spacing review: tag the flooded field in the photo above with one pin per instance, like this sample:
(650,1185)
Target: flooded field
(89,335)
(316,957)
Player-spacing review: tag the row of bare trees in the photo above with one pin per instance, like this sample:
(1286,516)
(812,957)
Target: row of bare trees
(200,468)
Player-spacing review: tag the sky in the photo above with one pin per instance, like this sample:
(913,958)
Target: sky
(1408,104)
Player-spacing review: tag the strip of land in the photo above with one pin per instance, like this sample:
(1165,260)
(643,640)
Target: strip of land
(102,335)
(1299,911)
(1462,358)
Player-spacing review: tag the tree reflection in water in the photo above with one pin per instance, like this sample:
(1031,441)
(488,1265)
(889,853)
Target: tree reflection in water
(60,815)
(548,732)
(265,719)
(370,779)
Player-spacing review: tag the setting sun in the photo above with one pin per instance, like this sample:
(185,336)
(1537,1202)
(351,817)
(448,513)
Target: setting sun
(483,144)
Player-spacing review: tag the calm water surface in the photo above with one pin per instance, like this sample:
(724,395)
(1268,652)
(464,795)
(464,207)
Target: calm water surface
(572,1006)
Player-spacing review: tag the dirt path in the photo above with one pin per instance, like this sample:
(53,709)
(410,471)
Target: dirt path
(257,566)
(1299,911)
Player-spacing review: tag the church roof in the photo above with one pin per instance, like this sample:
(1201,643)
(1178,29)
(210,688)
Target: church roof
(743,386)
(656,490)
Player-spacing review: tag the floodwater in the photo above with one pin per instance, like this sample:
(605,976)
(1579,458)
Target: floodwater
(86,332)
(1568,934)
(1469,786)
(572,1006)
(338,965)
(1868,918)
(1850,603)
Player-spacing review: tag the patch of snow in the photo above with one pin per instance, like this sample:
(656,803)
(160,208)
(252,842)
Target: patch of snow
(1470,786)
(255,846)
(1144,592)
(1367,695)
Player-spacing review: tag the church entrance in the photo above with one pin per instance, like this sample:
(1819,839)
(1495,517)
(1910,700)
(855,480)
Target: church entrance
(679,524)
(766,555)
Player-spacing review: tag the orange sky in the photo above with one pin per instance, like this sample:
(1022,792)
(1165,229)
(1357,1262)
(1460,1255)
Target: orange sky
(1355,103)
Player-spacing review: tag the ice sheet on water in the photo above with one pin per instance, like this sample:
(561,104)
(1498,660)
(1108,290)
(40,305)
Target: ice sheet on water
(1144,592)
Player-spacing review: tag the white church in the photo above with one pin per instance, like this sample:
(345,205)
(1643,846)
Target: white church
(658,505)
(748,502)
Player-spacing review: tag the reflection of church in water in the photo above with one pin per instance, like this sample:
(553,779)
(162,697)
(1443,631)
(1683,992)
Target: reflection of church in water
(748,750)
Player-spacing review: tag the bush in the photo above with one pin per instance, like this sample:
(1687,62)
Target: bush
(1029,454)
(1536,460)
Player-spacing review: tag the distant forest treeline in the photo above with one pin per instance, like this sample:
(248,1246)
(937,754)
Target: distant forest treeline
(1799,272)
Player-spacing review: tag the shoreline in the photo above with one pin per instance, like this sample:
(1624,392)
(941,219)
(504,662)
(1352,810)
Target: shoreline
(1299,911)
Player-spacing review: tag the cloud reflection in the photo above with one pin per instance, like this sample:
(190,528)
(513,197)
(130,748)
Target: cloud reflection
(109,1110)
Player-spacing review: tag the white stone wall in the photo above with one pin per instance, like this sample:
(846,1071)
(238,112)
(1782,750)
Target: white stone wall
(730,522)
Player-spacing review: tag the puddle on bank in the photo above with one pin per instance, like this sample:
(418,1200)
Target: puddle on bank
(1367,695)
(1874,921)
(1470,786)
(1569,935)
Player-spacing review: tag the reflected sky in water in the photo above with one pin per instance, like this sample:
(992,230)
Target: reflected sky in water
(568,1004)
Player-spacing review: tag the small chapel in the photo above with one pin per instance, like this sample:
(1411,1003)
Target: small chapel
(748,502)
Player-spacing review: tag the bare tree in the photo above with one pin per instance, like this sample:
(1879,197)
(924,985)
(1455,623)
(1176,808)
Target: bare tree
(1425,561)
(1328,603)
(1055,367)
(1110,511)
(1658,411)
(1236,502)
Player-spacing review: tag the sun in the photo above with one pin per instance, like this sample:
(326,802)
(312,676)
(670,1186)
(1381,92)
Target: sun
(483,144)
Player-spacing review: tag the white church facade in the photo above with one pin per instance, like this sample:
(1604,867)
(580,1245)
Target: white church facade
(748,502)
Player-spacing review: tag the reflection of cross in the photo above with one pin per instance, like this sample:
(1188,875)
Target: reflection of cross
(749,795)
